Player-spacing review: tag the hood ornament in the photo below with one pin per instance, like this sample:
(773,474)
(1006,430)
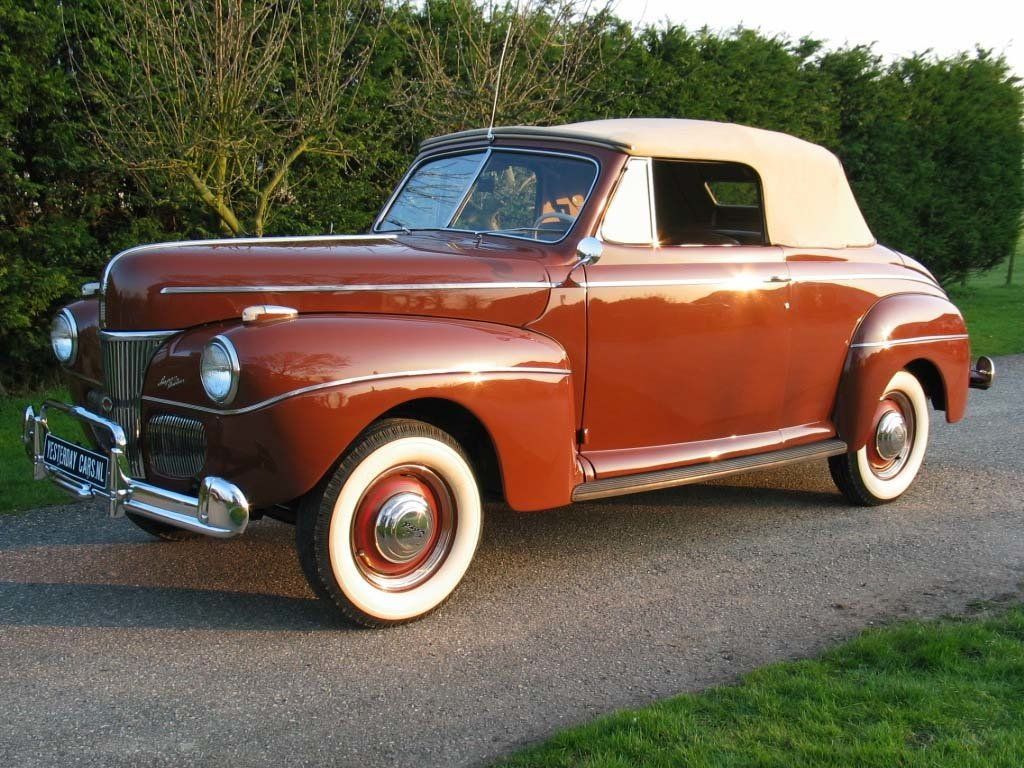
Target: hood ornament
(267,313)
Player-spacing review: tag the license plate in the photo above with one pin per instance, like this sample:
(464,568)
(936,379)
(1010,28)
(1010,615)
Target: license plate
(76,462)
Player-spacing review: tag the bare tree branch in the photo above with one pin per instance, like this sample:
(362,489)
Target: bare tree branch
(214,90)
(554,55)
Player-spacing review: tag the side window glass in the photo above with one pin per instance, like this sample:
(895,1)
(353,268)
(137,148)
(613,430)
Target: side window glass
(628,218)
(707,203)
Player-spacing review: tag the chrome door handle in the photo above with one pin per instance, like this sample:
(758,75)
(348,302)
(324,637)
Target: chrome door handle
(779,279)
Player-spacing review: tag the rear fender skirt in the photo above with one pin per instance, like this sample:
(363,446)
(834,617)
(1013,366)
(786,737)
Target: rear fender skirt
(897,331)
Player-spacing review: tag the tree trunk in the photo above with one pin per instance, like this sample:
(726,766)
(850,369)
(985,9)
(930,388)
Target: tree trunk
(263,202)
(222,175)
(217,206)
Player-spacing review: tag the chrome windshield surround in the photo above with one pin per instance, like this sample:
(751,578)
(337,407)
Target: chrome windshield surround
(529,132)
(487,152)
(914,340)
(466,371)
(354,287)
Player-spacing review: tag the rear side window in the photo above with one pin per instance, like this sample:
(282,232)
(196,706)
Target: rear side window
(708,204)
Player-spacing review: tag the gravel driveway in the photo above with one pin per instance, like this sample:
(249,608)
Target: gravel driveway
(118,650)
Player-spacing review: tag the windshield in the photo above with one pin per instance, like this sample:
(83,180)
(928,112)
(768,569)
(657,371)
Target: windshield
(520,194)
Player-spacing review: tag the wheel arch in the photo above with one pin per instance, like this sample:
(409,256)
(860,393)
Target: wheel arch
(921,333)
(932,381)
(465,427)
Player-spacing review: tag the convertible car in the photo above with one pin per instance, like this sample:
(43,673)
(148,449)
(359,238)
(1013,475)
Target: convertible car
(545,314)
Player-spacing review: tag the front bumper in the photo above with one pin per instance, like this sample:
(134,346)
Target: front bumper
(220,510)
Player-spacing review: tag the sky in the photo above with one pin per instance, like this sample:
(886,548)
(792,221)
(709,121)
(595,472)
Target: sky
(898,28)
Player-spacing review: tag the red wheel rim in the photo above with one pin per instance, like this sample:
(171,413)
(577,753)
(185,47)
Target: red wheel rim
(401,563)
(892,435)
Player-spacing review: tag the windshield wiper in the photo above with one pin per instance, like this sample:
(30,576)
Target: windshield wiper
(519,229)
(398,224)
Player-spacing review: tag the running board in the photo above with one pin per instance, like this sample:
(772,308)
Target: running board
(696,473)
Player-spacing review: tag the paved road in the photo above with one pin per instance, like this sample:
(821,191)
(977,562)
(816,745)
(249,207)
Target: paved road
(119,651)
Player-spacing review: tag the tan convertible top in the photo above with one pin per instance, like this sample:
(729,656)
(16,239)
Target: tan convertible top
(807,199)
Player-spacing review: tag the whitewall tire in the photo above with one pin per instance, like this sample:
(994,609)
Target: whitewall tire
(391,534)
(884,468)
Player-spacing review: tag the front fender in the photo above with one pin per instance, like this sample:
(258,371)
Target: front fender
(309,386)
(922,331)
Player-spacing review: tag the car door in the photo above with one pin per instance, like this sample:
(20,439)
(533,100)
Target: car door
(688,343)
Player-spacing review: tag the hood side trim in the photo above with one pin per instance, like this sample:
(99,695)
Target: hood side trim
(353,287)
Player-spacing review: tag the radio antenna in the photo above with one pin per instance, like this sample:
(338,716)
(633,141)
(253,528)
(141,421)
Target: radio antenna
(501,66)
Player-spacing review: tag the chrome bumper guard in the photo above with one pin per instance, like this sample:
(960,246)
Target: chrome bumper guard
(221,510)
(983,373)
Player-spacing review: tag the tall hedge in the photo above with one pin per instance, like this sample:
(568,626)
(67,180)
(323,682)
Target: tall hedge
(933,148)
(63,207)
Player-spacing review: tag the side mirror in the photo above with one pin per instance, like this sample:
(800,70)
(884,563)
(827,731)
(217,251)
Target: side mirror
(589,250)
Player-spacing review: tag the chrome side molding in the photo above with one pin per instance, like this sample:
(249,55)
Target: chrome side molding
(461,371)
(697,473)
(354,287)
(886,343)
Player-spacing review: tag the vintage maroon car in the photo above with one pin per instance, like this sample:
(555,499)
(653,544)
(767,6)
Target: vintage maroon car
(550,314)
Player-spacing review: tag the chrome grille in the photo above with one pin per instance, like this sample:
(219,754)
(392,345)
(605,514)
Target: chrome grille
(126,356)
(176,445)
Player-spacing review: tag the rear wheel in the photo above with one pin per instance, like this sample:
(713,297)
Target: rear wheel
(884,468)
(391,534)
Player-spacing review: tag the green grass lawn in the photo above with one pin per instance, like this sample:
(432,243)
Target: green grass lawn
(994,311)
(18,491)
(947,693)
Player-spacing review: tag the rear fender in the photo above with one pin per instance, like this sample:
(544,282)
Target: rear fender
(310,386)
(921,332)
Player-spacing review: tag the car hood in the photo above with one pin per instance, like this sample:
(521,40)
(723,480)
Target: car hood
(179,285)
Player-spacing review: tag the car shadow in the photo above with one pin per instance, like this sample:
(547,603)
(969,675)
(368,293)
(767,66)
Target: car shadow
(112,575)
(115,605)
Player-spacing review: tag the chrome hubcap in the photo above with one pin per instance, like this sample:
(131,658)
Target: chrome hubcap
(403,528)
(891,435)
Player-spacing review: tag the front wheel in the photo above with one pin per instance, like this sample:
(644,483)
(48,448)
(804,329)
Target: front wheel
(885,467)
(391,534)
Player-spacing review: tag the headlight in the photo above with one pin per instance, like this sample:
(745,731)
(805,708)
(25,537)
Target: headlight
(64,337)
(218,370)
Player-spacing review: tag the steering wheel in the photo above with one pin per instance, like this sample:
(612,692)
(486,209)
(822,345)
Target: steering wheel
(568,218)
